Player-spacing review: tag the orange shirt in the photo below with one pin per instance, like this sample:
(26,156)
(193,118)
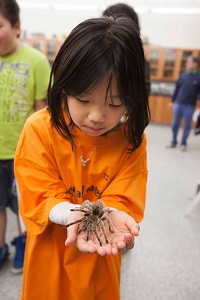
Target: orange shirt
(49,171)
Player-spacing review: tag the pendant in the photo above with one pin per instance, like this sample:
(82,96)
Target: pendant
(84,161)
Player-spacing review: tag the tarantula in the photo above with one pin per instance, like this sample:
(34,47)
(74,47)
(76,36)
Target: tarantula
(93,219)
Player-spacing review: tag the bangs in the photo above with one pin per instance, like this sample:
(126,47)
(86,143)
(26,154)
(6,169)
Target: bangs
(87,67)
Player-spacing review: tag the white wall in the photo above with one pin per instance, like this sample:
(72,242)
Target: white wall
(179,31)
(53,22)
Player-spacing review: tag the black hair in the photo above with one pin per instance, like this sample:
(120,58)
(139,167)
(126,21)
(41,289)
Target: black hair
(10,10)
(97,48)
(122,9)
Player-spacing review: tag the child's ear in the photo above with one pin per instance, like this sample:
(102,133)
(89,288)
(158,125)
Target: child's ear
(17,28)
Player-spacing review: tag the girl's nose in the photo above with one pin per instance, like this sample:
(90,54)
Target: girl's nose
(97,116)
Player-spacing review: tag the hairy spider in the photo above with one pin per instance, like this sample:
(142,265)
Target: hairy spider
(93,219)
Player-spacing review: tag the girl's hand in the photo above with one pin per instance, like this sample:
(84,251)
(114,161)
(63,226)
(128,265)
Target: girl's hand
(125,229)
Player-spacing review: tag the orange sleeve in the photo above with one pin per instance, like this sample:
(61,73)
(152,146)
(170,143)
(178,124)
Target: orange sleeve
(38,179)
(127,190)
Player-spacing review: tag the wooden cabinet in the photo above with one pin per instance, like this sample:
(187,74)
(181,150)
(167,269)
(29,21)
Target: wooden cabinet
(153,55)
(160,111)
(49,47)
(166,64)
(170,65)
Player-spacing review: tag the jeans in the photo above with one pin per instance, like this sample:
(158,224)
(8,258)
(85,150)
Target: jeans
(185,112)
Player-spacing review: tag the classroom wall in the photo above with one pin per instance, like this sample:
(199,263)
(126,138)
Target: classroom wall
(179,31)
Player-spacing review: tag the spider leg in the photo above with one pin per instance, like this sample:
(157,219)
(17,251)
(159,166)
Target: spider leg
(109,224)
(83,227)
(96,234)
(87,234)
(104,210)
(88,230)
(103,230)
(80,209)
(77,221)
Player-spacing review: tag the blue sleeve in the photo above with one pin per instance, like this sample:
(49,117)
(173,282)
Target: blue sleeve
(175,92)
(177,87)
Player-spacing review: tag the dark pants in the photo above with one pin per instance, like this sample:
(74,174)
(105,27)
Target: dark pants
(185,112)
(8,192)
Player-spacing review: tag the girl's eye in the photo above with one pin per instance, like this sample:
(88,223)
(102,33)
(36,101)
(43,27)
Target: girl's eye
(82,101)
(115,105)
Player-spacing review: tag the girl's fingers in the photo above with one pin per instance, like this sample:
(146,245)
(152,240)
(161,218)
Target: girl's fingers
(71,238)
(85,247)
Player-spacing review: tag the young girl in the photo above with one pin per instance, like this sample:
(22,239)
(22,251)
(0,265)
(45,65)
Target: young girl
(89,144)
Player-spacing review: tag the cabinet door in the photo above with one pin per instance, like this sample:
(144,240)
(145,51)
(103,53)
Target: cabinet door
(163,112)
(155,61)
(169,66)
(160,111)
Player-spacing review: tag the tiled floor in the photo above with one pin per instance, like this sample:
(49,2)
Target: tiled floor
(165,263)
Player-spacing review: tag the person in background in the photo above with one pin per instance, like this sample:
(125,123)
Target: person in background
(24,77)
(126,10)
(184,99)
(89,144)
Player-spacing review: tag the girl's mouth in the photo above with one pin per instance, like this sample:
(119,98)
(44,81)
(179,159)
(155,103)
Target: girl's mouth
(93,130)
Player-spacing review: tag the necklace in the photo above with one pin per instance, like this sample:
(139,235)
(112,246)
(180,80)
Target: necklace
(85,161)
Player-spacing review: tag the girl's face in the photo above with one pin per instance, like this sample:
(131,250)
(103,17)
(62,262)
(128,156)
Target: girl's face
(8,37)
(92,113)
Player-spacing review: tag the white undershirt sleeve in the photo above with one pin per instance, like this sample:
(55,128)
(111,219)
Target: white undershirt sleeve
(60,212)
